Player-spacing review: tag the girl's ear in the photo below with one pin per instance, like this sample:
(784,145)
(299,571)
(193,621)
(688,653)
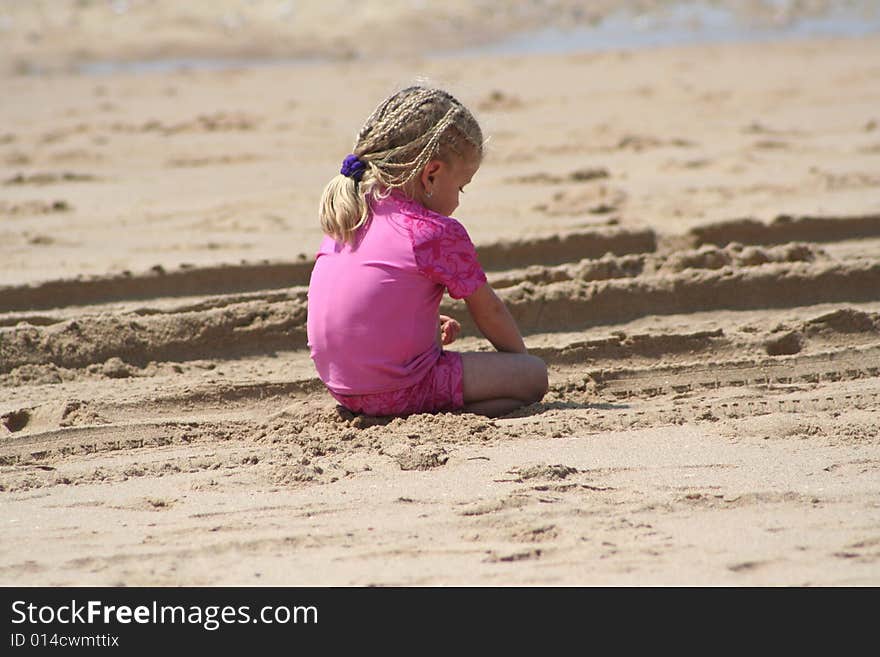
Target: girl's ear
(429,172)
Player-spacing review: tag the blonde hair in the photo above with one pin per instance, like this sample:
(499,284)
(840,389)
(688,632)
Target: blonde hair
(405,132)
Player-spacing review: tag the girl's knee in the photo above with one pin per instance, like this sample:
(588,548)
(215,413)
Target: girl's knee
(538,382)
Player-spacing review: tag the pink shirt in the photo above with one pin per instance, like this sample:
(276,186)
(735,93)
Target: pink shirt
(373,307)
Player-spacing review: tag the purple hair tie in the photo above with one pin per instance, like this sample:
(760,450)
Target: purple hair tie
(353,168)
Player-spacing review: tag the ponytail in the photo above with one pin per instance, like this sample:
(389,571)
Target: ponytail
(343,209)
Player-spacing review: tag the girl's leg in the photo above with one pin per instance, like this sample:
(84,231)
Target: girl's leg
(496,383)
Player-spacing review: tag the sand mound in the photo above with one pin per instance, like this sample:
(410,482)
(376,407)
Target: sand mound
(561,248)
(138,338)
(785,228)
(845,320)
(574,304)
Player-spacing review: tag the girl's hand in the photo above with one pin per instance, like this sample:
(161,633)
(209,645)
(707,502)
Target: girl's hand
(449,329)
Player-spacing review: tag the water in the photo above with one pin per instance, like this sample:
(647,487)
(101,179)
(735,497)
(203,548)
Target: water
(683,24)
(173,64)
(680,24)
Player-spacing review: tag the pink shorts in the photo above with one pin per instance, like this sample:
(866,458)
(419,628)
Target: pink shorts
(440,390)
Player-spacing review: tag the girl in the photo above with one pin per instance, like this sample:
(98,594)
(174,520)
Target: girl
(390,251)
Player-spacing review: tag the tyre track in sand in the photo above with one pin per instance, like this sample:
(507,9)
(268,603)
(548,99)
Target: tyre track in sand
(216,329)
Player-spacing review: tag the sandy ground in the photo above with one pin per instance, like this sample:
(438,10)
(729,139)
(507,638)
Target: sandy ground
(689,236)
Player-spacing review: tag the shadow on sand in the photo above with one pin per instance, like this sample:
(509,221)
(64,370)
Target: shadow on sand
(543,407)
(363,421)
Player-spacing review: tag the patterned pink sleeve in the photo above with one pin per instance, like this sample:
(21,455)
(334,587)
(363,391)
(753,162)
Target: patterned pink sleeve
(445,254)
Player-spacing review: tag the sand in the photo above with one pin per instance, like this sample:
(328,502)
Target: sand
(689,236)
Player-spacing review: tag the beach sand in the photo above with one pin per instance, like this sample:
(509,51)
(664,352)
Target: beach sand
(690,236)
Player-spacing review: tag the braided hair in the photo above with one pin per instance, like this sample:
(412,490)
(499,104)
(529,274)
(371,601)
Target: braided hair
(405,132)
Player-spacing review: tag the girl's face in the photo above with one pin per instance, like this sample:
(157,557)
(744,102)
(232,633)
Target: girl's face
(444,181)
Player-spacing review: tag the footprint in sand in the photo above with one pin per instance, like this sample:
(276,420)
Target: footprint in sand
(30,208)
(48,178)
(544,178)
(499,101)
(598,200)
(639,143)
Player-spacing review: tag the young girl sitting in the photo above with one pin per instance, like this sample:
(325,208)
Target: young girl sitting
(391,250)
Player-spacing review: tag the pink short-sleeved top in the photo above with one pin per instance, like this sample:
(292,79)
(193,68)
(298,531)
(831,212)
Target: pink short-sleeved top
(373,305)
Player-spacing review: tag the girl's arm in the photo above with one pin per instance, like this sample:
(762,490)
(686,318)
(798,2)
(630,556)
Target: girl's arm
(494,320)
